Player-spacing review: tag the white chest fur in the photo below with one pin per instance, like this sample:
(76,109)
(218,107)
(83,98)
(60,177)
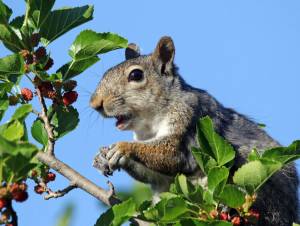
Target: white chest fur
(160,127)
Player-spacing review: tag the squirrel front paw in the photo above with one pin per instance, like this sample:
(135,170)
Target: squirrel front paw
(101,163)
(116,157)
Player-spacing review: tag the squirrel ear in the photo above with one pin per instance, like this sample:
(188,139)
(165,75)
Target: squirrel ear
(132,51)
(165,52)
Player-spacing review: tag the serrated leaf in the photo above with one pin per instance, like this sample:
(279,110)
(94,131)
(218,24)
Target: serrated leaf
(216,176)
(205,162)
(284,154)
(10,39)
(22,112)
(117,214)
(89,43)
(254,174)
(5,12)
(85,48)
(38,11)
(76,67)
(63,20)
(65,119)
(20,165)
(39,132)
(232,196)
(13,148)
(13,130)
(167,210)
(12,65)
(213,144)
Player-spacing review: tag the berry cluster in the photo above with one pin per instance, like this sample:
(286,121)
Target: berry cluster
(60,93)
(42,181)
(238,217)
(36,59)
(9,192)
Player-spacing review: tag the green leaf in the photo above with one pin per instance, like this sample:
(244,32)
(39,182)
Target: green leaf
(10,38)
(22,112)
(183,186)
(167,210)
(63,20)
(38,11)
(213,144)
(65,119)
(284,154)
(204,161)
(216,176)
(254,174)
(118,214)
(5,13)
(14,148)
(76,67)
(13,130)
(84,50)
(20,166)
(12,64)
(89,43)
(39,132)
(232,196)
(296,224)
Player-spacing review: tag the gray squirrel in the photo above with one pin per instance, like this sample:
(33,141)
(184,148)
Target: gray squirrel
(147,95)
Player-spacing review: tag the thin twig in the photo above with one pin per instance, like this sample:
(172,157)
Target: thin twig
(59,193)
(48,127)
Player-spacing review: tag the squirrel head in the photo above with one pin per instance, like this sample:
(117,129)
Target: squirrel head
(137,90)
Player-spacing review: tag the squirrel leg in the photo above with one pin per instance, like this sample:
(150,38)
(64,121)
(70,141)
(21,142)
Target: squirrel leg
(162,155)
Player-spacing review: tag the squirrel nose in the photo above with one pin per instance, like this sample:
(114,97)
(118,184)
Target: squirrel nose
(96,103)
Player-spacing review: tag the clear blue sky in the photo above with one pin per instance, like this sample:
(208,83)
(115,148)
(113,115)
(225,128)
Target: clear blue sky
(245,53)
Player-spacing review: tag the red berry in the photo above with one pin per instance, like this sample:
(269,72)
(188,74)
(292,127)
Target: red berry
(224,216)
(3,203)
(40,53)
(27,94)
(236,221)
(39,189)
(20,196)
(49,64)
(50,176)
(9,225)
(70,97)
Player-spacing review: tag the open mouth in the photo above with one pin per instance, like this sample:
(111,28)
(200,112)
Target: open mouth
(122,121)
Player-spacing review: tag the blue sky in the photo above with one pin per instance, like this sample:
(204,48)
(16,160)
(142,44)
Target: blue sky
(245,53)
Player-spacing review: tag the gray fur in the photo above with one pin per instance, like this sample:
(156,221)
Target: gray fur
(166,94)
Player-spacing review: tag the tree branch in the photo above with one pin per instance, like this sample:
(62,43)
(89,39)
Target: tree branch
(76,180)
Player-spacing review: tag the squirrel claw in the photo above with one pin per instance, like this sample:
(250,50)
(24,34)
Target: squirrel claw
(101,163)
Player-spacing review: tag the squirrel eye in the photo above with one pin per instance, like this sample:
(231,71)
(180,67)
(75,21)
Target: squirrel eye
(136,75)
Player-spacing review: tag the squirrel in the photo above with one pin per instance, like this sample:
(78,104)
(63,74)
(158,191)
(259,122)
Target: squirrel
(146,95)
